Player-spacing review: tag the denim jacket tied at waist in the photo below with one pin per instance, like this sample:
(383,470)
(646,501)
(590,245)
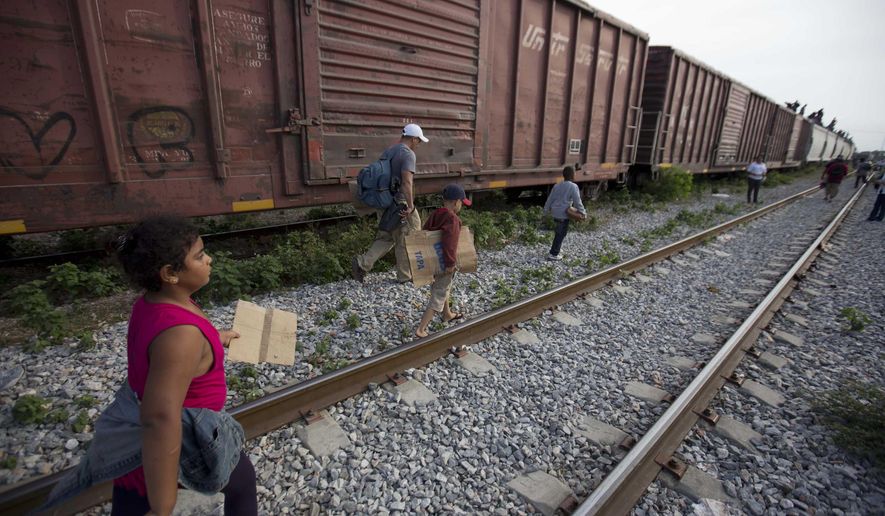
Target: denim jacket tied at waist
(210,449)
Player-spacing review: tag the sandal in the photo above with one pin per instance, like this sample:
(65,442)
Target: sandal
(453,318)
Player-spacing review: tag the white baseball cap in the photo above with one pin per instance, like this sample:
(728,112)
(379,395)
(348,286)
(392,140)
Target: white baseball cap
(414,130)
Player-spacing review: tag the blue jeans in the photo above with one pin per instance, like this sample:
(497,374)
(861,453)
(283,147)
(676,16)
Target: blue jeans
(560,231)
(878,212)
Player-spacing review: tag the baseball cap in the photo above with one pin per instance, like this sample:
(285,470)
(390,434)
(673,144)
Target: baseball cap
(415,131)
(455,192)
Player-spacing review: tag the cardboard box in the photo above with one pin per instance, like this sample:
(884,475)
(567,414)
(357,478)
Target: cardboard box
(266,335)
(426,254)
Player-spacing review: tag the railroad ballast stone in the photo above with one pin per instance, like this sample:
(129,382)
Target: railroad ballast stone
(458,453)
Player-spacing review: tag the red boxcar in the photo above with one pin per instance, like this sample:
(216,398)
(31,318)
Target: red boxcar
(701,120)
(112,110)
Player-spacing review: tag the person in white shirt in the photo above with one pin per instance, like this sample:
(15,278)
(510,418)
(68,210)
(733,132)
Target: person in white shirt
(756,173)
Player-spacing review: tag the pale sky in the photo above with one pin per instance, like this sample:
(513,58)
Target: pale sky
(825,53)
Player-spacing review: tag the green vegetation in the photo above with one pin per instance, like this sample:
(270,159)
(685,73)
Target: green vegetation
(36,301)
(86,401)
(245,383)
(353,321)
(80,422)
(328,317)
(855,320)
(344,304)
(856,413)
(30,409)
(673,184)
(8,462)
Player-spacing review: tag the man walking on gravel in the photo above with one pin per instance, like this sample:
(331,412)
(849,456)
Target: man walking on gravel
(756,173)
(564,195)
(832,177)
(878,212)
(402,171)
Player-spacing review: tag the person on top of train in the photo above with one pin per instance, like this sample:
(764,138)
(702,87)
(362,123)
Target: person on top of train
(832,177)
(756,172)
(167,424)
(402,175)
(563,196)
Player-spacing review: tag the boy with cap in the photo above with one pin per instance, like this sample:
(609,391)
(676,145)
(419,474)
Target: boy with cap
(444,219)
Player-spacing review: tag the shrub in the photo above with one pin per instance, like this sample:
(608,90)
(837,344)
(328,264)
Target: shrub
(353,321)
(855,319)
(672,185)
(80,422)
(856,412)
(229,279)
(30,409)
(67,281)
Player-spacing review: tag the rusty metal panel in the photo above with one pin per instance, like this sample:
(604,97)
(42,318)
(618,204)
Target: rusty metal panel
(114,110)
(47,124)
(554,98)
(780,137)
(681,111)
(383,64)
(732,124)
(795,140)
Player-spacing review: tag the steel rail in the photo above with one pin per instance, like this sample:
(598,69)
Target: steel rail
(622,488)
(294,402)
(270,229)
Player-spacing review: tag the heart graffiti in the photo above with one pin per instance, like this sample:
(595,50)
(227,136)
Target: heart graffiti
(54,149)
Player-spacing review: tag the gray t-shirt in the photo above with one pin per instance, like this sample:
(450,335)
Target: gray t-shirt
(402,158)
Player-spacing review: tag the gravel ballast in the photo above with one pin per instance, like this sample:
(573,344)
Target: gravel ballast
(458,453)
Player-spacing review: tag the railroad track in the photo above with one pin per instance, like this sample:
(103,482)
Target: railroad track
(620,489)
(98,253)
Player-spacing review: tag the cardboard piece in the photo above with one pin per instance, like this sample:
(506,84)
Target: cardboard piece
(426,254)
(266,335)
(575,215)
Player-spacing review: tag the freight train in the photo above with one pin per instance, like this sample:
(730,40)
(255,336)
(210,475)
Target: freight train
(114,110)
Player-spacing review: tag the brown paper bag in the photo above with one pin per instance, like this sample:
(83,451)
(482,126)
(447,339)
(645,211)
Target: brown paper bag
(426,258)
(266,335)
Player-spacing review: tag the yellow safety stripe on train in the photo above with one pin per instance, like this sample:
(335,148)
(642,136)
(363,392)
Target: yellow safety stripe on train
(497,184)
(609,166)
(262,204)
(665,165)
(8,227)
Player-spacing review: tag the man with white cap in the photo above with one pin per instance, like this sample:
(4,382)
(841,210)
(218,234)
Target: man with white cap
(402,171)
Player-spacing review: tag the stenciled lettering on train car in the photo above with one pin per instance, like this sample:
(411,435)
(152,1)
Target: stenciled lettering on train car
(535,38)
(34,154)
(160,135)
(241,38)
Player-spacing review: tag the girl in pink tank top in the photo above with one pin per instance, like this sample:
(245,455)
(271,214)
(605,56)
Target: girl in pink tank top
(175,361)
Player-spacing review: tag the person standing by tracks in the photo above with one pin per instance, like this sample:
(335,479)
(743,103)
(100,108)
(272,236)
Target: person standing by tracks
(756,173)
(444,219)
(563,196)
(402,174)
(167,424)
(878,212)
(832,177)
(862,172)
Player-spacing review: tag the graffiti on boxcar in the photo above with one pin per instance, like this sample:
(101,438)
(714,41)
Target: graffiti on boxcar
(535,38)
(242,38)
(50,143)
(160,135)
